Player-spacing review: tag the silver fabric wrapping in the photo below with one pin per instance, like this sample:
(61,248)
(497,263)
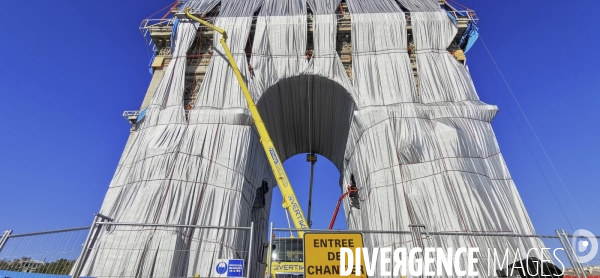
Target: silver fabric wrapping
(420,156)
(427,156)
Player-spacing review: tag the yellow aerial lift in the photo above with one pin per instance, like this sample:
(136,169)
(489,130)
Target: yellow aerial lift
(286,253)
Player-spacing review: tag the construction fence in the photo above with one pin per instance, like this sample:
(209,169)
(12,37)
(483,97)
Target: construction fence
(77,252)
(70,252)
(48,252)
(498,254)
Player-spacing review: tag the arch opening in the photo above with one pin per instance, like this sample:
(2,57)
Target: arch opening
(324,196)
(308,114)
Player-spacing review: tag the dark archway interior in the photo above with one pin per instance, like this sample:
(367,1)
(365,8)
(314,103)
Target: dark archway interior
(308,113)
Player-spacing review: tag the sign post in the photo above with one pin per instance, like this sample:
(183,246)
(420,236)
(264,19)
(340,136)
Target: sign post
(322,254)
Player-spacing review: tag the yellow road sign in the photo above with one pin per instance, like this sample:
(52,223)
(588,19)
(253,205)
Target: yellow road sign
(322,254)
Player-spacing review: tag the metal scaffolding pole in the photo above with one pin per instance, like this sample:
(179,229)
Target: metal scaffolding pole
(568,252)
(4,238)
(250,251)
(312,158)
(574,254)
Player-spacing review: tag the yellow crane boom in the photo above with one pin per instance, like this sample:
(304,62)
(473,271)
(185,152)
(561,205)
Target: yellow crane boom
(289,197)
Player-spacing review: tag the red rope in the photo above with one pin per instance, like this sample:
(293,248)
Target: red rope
(169,11)
(206,177)
(451,184)
(459,4)
(170,5)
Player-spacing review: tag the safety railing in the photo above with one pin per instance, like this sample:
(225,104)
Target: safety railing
(150,26)
(131,113)
(147,24)
(468,15)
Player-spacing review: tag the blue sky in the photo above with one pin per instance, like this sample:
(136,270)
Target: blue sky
(70,68)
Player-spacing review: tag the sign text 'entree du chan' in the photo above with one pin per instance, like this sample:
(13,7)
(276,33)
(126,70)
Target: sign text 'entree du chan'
(322,253)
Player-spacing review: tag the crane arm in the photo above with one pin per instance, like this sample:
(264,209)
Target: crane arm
(290,202)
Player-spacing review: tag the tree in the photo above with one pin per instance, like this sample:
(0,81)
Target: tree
(62,266)
(11,266)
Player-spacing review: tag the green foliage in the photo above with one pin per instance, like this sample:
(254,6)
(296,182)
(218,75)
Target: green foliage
(62,266)
(6,265)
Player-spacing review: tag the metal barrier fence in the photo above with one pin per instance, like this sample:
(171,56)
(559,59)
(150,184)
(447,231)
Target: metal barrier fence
(110,249)
(115,249)
(48,252)
(497,250)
